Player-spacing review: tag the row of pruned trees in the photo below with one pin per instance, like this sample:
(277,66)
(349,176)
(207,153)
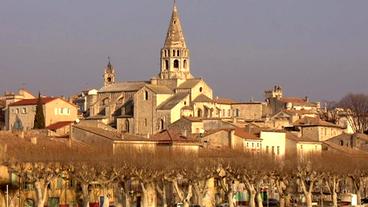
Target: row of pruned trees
(164,179)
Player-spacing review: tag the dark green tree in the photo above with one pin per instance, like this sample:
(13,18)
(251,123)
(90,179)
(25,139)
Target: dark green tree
(39,121)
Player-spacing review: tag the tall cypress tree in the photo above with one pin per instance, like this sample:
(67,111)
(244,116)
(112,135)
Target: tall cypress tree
(39,121)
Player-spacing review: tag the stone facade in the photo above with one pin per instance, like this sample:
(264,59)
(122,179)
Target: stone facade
(22,113)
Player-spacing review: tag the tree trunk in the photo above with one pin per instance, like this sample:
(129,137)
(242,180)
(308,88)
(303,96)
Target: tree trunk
(359,197)
(334,199)
(85,194)
(127,200)
(259,200)
(149,195)
(252,196)
(230,198)
(41,192)
(282,201)
(287,200)
(308,199)
(162,193)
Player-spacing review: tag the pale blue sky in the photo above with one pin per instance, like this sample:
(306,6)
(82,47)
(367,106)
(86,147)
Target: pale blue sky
(315,48)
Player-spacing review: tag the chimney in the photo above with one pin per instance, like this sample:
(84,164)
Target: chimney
(34,140)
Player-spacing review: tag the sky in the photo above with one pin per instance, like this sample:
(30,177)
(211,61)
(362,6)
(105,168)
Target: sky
(240,47)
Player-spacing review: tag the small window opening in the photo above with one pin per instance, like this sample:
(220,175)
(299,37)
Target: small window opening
(176,63)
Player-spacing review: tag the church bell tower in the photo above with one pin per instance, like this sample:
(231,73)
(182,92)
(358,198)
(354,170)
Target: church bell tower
(175,61)
(109,74)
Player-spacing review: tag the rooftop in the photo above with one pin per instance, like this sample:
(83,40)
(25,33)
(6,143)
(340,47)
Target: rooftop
(33,101)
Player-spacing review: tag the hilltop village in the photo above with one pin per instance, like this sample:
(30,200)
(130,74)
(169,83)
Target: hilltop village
(168,141)
(176,110)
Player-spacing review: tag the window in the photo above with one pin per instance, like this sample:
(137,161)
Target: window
(228,112)
(178,53)
(162,124)
(341,142)
(145,122)
(17,111)
(200,89)
(176,64)
(278,150)
(166,64)
(273,150)
(185,63)
(252,145)
(145,95)
(127,125)
(257,145)
(199,113)
(267,148)
(24,110)
(237,112)
(185,103)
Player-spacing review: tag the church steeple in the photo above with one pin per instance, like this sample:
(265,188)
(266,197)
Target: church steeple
(175,36)
(109,74)
(175,62)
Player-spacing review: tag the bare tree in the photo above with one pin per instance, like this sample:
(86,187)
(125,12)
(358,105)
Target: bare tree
(39,174)
(307,178)
(356,106)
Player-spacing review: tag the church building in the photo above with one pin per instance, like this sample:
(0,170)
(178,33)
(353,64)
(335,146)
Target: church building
(147,107)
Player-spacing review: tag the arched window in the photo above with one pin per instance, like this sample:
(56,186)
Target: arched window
(105,101)
(200,89)
(185,63)
(166,64)
(165,53)
(341,142)
(199,113)
(127,125)
(176,64)
(145,122)
(178,53)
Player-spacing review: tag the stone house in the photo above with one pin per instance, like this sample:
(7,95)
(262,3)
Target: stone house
(276,102)
(59,129)
(302,147)
(21,114)
(249,111)
(356,141)
(273,143)
(232,138)
(317,129)
(286,118)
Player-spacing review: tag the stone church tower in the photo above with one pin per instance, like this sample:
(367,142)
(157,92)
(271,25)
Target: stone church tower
(109,74)
(175,62)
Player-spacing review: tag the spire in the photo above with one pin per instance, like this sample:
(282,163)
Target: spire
(109,65)
(175,36)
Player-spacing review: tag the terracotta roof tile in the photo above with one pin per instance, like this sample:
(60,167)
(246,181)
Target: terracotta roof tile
(174,136)
(58,125)
(244,134)
(314,121)
(27,102)
(203,98)
(224,100)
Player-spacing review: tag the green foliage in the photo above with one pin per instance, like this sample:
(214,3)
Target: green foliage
(39,121)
